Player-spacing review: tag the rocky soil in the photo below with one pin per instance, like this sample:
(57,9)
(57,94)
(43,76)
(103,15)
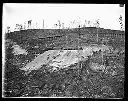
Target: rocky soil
(81,79)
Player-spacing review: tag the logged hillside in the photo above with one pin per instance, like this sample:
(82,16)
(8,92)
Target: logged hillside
(98,76)
(62,37)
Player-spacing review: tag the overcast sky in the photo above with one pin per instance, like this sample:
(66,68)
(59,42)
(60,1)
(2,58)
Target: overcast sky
(108,14)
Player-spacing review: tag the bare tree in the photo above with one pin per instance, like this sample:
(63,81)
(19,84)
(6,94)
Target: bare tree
(55,25)
(29,23)
(17,27)
(85,23)
(8,29)
(63,25)
(121,22)
(24,25)
(59,24)
(21,27)
(89,23)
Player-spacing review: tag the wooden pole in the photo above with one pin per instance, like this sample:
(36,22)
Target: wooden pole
(43,24)
(79,65)
(97,35)
(59,25)
(36,25)
(97,22)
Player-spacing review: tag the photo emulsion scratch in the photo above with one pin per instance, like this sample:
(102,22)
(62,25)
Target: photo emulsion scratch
(63,50)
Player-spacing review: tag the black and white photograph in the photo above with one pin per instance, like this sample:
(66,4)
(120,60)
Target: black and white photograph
(63,50)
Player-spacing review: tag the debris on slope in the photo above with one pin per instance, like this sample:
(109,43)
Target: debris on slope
(54,58)
(97,67)
(62,58)
(17,50)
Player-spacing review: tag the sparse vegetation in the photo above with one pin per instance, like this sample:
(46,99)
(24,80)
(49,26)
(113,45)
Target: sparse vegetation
(73,82)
